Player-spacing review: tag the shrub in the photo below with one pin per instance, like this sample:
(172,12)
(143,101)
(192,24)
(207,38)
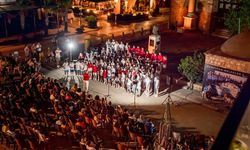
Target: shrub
(92,21)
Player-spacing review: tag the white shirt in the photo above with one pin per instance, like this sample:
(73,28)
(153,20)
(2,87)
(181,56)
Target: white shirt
(147,81)
(26,51)
(38,47)
(156,81)
(71,65)
(77,65)
(121,46)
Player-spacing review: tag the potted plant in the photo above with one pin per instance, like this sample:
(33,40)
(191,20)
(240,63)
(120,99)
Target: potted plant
(92,21)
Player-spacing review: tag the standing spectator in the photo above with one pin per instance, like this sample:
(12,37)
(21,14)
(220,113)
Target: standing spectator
(26,51)
(38,50)
(58,57)
(150,127)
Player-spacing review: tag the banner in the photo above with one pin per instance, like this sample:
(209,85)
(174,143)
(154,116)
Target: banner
(223,84)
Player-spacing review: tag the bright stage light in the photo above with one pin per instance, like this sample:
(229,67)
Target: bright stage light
(71,45)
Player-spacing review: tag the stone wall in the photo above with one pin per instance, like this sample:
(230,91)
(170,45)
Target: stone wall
(228,63)
(204,13)
(178,11)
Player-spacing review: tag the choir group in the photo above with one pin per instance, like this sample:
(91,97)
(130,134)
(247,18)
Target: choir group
(120,65)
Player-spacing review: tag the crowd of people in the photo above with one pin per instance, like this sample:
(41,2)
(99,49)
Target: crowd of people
(33,108)
(193,141)
(122,66)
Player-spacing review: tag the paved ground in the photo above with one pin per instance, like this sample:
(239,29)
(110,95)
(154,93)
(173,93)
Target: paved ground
(187,111)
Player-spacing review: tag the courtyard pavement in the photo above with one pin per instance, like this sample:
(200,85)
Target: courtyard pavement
(187,106)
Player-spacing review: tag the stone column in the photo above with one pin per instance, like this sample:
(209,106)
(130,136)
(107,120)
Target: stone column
(209,10)
(190,20)
(191,7)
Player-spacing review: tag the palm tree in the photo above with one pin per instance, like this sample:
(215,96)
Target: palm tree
(65,5)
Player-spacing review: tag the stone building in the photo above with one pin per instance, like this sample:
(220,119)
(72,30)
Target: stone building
(227,68)
(205,15)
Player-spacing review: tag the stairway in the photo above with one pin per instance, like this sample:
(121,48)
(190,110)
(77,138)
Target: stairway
(222,33)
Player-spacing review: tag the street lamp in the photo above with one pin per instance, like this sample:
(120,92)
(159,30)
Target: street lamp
(71,46)
(80,14)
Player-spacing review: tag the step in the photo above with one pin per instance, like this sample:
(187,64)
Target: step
(222,33)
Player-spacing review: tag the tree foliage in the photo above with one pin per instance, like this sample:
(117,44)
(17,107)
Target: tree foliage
(23,3)
(91,21)
(192,67)
(234,15)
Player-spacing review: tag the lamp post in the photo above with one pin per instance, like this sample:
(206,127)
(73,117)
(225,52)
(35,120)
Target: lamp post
(135,99)
(70,46)
(80,14)
(135,82)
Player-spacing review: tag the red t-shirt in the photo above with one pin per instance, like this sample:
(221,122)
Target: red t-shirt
(89,65)
(142,53)
(164,60)
(160,58)
(94,68)
(81,124)
(86,76)
(125,72)
(132,50)
(148,55)
(153,57)
(137,51)
(104,73)
(120,71)
(68,97)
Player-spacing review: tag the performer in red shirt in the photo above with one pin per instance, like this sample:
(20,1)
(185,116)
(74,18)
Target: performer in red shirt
(153,57)
(132,49)
(94,69)
(90,69)
(105,74)
(142,52)
(160,57)
(164,61)
(119,72)
(86,78)
(137,50)
(125,71)
(148,55)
